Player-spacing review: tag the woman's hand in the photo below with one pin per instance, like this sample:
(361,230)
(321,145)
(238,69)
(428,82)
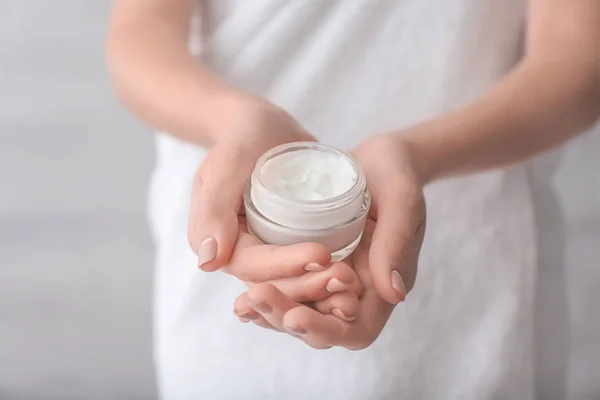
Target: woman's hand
(219,235)
(398,209)
(302,272)
(253,127)
(270,308)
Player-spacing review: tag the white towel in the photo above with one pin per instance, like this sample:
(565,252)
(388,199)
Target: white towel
(348,69)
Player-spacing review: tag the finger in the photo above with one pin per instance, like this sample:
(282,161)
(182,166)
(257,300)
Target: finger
(329,330)
(242,309)
(216,200)
(341,305)
(252,262)
(372,314)
(314,286)
(314,327)
(245,313)
(263,323)
(212,229)
(396,241)
(270,303)
(273,305)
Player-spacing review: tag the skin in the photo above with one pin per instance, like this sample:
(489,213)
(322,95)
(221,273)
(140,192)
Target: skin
(550,97)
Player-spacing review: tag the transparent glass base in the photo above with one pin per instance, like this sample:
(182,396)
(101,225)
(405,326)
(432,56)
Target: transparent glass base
(340,254)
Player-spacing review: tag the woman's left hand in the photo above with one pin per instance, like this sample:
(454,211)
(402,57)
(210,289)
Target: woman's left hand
(398,209)
(385,260)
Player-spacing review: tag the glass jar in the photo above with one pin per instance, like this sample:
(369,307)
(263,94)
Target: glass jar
(283,218)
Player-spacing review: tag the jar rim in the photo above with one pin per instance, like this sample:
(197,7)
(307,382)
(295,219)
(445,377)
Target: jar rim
(251,208)
(318,205)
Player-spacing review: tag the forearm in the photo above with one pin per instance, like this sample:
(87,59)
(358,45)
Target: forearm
(539,106)
(155,75)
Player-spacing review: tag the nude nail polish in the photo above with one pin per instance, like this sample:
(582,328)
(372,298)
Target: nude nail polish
(398,283)
(335,285)
(314,267)
(247,315)
(207,251)
(340,314)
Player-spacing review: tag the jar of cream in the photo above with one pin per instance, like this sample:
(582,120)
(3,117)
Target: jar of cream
(308,192)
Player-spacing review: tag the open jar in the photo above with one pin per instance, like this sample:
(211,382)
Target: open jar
(308,192)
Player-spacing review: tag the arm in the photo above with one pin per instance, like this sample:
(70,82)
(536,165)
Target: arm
(155,75)
(550,97)
(161,82)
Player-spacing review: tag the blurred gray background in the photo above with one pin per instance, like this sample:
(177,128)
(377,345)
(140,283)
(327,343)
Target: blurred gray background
(75,254)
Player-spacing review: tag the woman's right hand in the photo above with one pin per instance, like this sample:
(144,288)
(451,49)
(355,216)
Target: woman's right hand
(249,127)
(217,231)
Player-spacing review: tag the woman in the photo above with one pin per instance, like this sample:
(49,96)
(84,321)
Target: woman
(452,96)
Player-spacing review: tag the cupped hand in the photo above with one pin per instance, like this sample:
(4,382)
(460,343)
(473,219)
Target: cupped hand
(217,231)
(398,209)
(253,127)
(316,326)
(303,272)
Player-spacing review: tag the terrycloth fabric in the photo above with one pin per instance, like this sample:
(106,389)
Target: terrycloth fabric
(348,69)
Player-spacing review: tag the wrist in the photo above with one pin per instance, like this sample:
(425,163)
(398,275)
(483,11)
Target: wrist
(247,126)
(222,110)
(254,124)
(426,156)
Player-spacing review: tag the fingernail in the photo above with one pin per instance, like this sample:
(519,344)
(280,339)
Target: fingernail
(398,283)
(340,314)
(335,285)
(244,320)
(314,267)
(207,251)
(262,308)
(247,315)
(296,329)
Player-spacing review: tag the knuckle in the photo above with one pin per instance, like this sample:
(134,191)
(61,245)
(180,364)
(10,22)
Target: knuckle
(404,246)
(193,236)
(197,225)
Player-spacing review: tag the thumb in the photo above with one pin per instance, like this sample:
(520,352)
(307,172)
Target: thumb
(216,200)
(212,236)
(395,245)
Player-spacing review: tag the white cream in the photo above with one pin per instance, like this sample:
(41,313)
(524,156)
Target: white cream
(309,175)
